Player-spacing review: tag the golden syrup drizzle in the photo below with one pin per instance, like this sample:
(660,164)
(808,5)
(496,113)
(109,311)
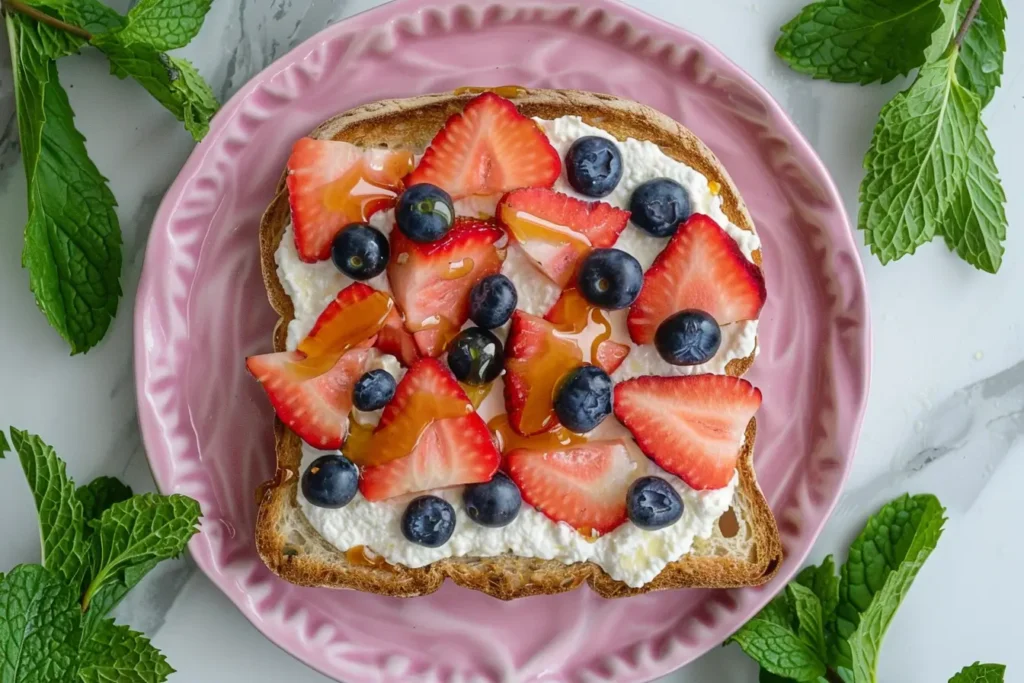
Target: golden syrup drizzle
(510,440)
(476,394)
(543,373)
(507,91)
(715,187)
(358,440)
(460,268)
(361,556)
(399,438)
(368,186)
(358,322)
(602,336)
(529,229)
(572,314)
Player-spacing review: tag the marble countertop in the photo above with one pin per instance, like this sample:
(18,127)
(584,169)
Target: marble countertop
(946,413)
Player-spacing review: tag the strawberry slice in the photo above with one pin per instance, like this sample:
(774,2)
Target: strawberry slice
(556,230)
(431,282)
(438,438)
(584,486)
(703,268)
(352,320)
(316,409)
(536,359)
(610,355)
(397,340)
(692,426)
(332,184)
(488,148)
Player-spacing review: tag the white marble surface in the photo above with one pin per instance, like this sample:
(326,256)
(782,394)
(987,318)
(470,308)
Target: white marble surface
(947,402)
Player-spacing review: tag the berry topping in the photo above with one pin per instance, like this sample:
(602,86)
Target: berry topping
(584,399)
(689,337)
(556,230)
(331,481)
(394,339)
(703,268)
(332,184)
(652,503)
(374,390)
(360,251)
(431,282)
(488,148)
(584,486)
(659,206)
(476,357)
(609,355)
(494,503)
(691,426)
(593,166)
(492,301)
(352,320)
(424,213)
(610,278)
(536,358)
(428,521)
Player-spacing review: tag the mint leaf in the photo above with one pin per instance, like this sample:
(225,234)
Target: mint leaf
(40,627)
(91,15)
(917,161)
(860,41)
(61,523)
(165,24)
(200,104)
(943,36)
(778,650)
(810,626)
(980,673)
(824,581)
(980,68)
(883,561)
(5,447)
(99,494)
(115,654)
(47,42)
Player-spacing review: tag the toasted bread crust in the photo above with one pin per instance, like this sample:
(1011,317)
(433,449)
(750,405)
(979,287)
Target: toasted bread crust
(412,123)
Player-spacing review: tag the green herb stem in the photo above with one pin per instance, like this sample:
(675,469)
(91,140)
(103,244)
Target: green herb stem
(968,20)
(832,677)
(44,18)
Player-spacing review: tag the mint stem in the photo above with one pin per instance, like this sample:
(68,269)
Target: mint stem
(832,677)
(968,20)
(44,18)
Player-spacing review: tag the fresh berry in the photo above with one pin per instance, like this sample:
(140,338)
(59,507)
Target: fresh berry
(692,426)
(492,301)
(431,282)
(476,357)
(451,451)
(374,390)
(494,503)
(428,521)
(353,320)
(610,278)
(425,213)
(556,230)
(322,179)
(330,481)
(316,408)
(584,399)
(689,337)
(659,206)
(394,339)
(360,251)
(488,148)
(652,503)
(593,166)
(610,355)
(536,358)
(584,486)
(703,268)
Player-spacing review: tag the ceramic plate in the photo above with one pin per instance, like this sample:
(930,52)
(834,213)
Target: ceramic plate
(201,309)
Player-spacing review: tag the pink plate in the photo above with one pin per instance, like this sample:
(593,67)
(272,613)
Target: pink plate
(201,309)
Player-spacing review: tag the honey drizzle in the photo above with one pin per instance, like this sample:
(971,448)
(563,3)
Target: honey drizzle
(476,394)
(510,440)
(328,343)
(364,189)
(400,437)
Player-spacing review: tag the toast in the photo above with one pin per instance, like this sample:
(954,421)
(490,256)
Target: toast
(744,548)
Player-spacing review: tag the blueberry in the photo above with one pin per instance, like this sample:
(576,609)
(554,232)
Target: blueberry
(330,481)
(584,399)
(425,213)
(360,251)
(429,521)
(689,337)
(593,166)
(652,503)
(494,503)
(610,278)
(659,206)
(492,301)
(374,390)
(476,356)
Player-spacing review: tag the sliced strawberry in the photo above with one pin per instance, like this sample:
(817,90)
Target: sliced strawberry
(397,340)
(536,359)
(584,486)
(316,409)
(332,184)
(703,268)
(351,321)
(610,355)
(434,451)
(691,426)
(431,282)
(488,148)
(556,230)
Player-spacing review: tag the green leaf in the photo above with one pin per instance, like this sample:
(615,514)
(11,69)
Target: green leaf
(778,611)
(980,673)
(824,581)
(99,494)
(117,654)
(778,650)
(45,41)
(765,676)
(860,41)
(200,104)
(91,15)
(165,24)
(810,625)
(883,562)
(61,523)
(980,68)
(917,161)
(40,627)
(5,447)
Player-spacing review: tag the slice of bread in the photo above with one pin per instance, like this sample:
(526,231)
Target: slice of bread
(744,549)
